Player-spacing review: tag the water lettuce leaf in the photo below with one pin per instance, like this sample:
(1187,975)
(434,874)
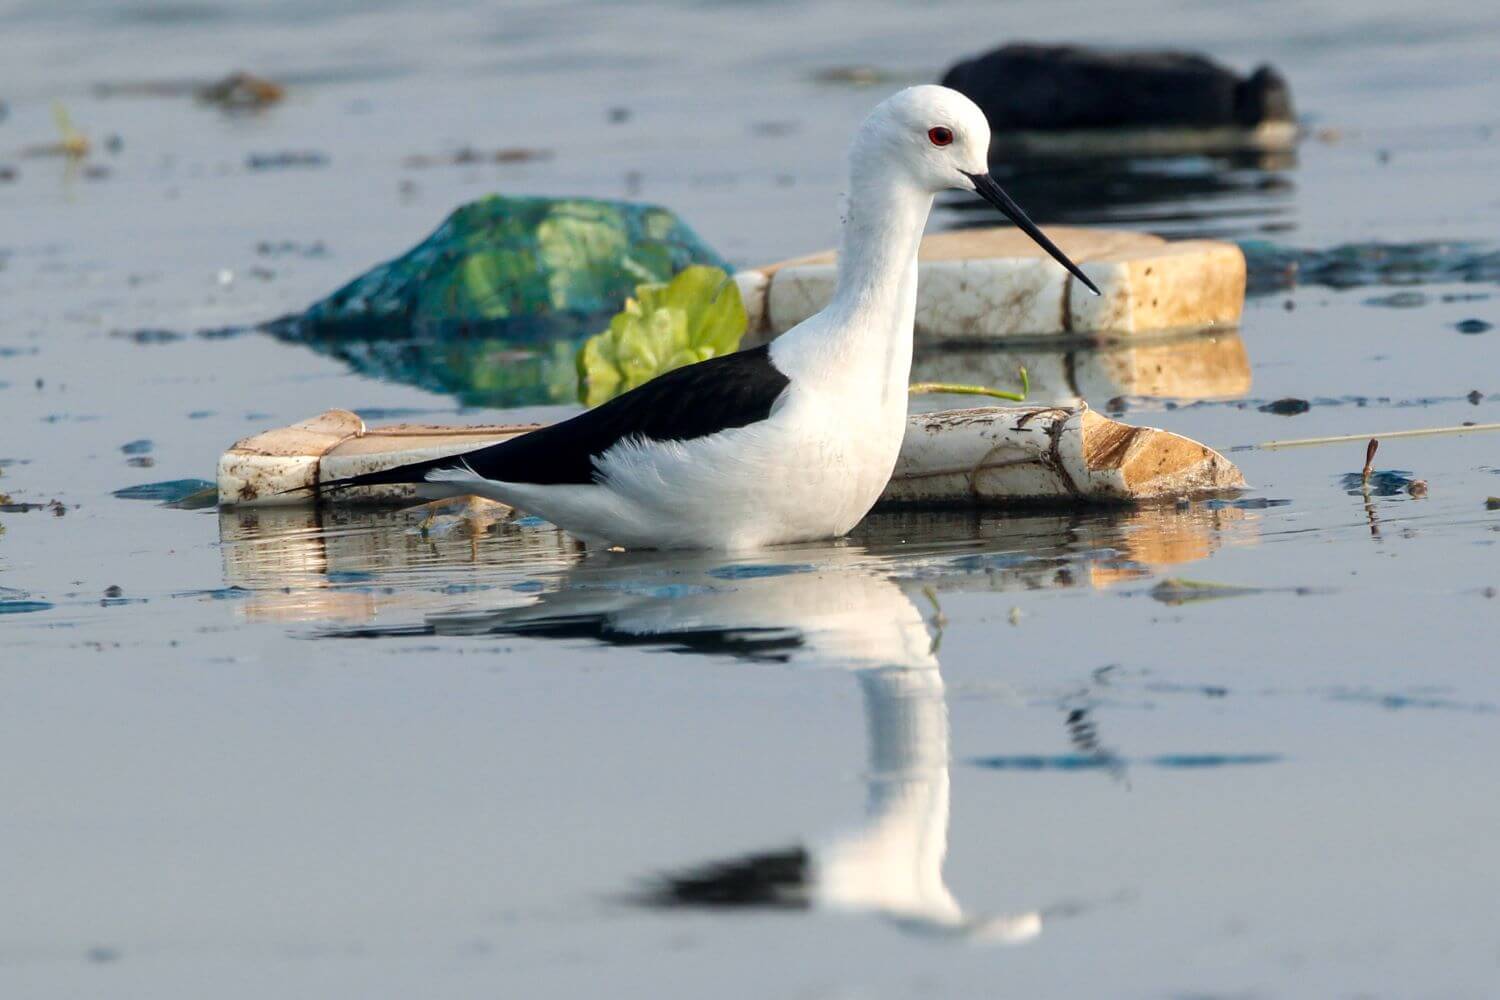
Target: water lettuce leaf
(696,316)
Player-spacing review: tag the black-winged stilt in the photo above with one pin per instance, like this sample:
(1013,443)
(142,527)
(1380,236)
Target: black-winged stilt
(787,442)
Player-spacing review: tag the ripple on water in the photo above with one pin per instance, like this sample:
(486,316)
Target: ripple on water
(1094,762)
(757,571)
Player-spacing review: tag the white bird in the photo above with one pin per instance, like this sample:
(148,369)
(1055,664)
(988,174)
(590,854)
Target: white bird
(787,442)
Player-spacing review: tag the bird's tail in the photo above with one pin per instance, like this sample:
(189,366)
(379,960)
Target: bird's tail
(441,476)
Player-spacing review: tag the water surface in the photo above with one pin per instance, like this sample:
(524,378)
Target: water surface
(308,754)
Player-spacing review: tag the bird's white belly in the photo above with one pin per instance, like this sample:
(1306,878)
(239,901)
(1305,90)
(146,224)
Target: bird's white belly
(807,472)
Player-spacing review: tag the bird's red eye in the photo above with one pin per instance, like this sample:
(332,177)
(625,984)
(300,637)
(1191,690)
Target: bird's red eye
(939,135)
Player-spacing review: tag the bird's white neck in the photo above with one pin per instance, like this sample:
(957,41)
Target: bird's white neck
(864,334)
(884,217)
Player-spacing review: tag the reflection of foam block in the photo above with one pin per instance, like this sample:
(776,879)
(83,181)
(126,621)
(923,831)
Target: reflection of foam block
(1201,366)
(982,284)
(975,457)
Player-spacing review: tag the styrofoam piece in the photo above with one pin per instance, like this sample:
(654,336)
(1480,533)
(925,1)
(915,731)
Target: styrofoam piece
(976,457)
(986,284)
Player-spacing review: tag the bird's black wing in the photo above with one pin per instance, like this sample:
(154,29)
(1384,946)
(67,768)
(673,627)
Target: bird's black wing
(734,390)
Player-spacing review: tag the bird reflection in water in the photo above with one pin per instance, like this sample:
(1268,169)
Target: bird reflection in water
(860,604)
(357,564)
(847,610)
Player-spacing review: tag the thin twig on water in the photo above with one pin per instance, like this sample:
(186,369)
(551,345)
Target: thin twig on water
(1342,438)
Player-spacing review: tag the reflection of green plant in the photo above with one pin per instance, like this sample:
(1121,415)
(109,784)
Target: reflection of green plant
(496,373)
(696,316)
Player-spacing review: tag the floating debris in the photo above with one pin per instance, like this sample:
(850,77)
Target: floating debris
(536,263)
(150,335)
(1417,488)
(1399,300)
(1492,503)
(23,607)
(1288,407)
(286,159)
(493,306)
(1149,284)
(142,446)
(293,248)
(1062,99)
(1178,590)
(1472,326)
(230,593)
(225,332)
(241,91)
(468,155)
(172,491)
(981,456)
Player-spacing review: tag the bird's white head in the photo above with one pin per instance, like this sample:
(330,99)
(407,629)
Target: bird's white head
(937,135)
(939,139)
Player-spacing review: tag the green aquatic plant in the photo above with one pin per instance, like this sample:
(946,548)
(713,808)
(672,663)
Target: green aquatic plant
(695,316)
(964,389)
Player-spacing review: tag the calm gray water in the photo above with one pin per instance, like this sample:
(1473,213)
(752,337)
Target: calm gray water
(306,755)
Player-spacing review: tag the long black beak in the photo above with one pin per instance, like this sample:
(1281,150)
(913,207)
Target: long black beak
(991,192)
